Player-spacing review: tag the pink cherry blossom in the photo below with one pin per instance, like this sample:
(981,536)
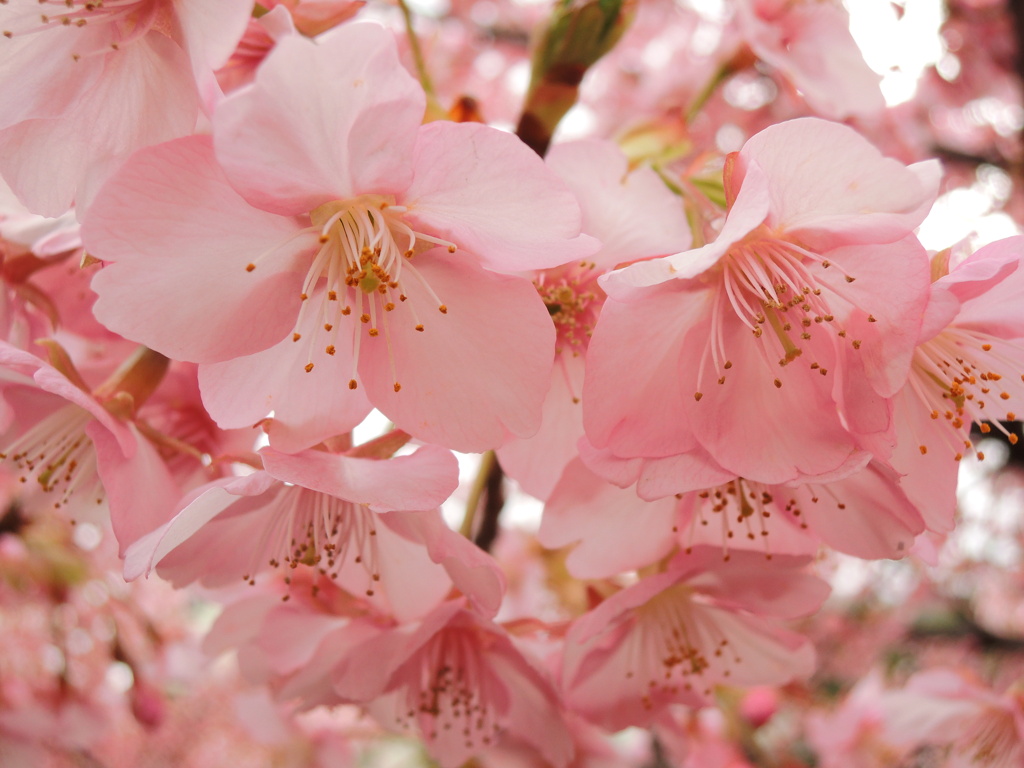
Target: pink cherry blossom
(85,84)
(342,515)
(635,216)
(371,242)
(940,706)
(461,683)
(966,370)
(807,303)
(854,733)
(672,637)
(293,646)
(865,514)
(811,45)
(82,453)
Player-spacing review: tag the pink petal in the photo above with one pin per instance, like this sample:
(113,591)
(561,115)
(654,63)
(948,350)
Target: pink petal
(291,636)
(194,512)
(308,406)
(829,183)
(812,45)
(419,481)
(751,404)
(43,80)
(750,582)
(537,462)
(606,465)
(997,311)
(145,96)
(891,285)
(411,582)
(475,573)
(866,414)
(212,30)
(634,398)
(535,711)
(485,191)
(239,623)
(748,212)
(140,490)
(928,479)
(983,269)
(323,121)
(691,471)
(185,291)
(476,375)
(311,683)
(616,531)
(866,515)
(633,214)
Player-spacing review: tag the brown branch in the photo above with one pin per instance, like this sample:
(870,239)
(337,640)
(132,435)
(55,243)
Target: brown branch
(493,503)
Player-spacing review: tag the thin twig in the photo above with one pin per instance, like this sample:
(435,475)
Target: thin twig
(494,502)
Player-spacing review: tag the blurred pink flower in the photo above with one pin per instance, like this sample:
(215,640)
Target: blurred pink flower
(672,637)
(810,44)
(460,683)
(942,706)
(85,84)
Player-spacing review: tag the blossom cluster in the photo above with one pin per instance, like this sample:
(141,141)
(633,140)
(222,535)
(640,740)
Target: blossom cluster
(234,238)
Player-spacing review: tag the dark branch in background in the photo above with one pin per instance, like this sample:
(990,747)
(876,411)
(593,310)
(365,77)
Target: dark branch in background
(1017,11)
(948,155)
(493,501)
(658,757)
(1016,8)
(12,520)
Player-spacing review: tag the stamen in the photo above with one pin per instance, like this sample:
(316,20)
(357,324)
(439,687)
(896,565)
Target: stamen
(362,250)
(317,530)
(58,455)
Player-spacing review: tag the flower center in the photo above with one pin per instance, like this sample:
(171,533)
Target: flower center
(767,284)
(955,375)
(675,646)
(737,508)
(573,299)
(121,21)
(455,694)
(58,455)
(320,531)
(362,269)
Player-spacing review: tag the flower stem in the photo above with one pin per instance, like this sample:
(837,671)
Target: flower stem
(417,52)
(720,75)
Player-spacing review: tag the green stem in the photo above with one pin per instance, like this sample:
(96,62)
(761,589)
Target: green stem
(417,52)
(706,92)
